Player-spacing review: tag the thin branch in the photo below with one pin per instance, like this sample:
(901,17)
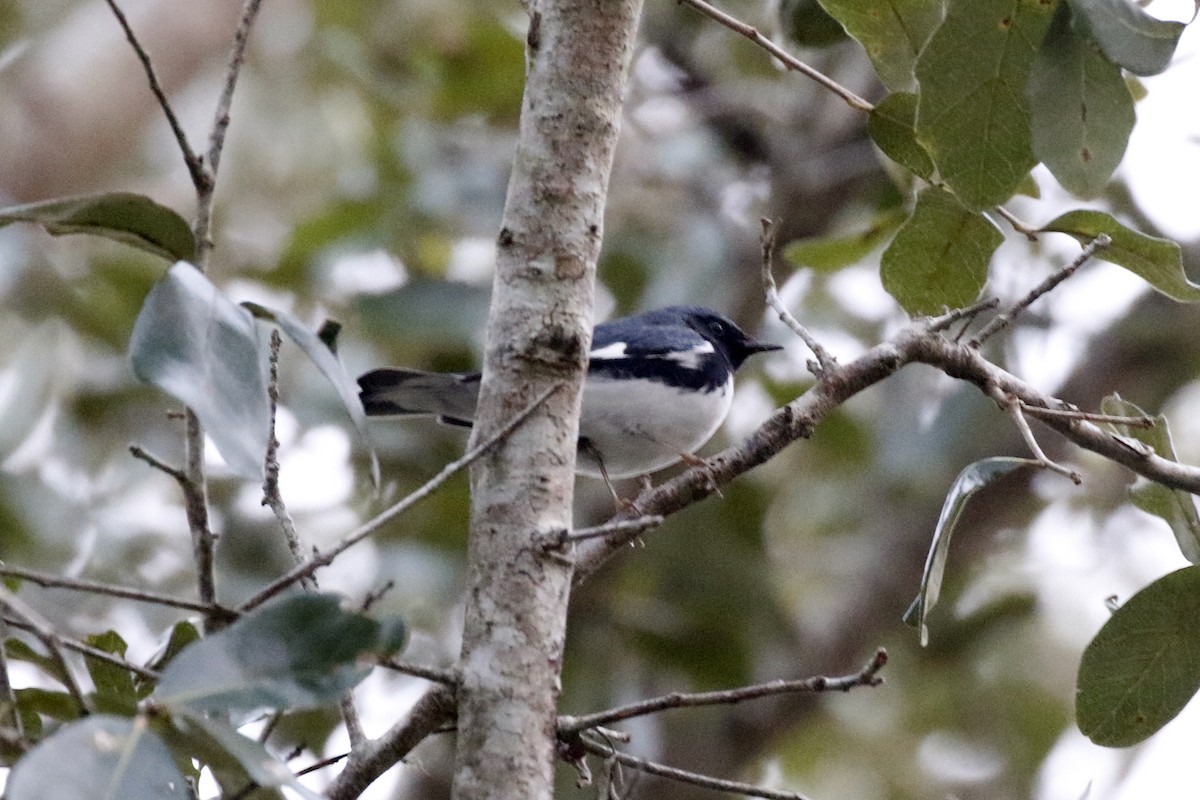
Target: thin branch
(447,677)
(40,627)
(784,57)
(354,728)
(432,711)
(1013,406)
(1002,321)
(952,316)
(324,558)
(322,764)
(216,139)
(195,505)
(825,361)
(683,776)
(621,527)
(142,454)
(86,649)
(201,179)
(867,676)
(94,587)
(1018,224)
(1074,413)
(271,494)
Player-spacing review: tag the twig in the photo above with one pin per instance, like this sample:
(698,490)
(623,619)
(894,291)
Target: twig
(354,728)
(40,627)
(1074,413)
(683,776)
(825,361)
(7,694)
(447,677)
(201,179)
(324,558)
(140,453)
(434,708)
(216,139)
(617,528)
(195,504)
(943,322)
(271,494)
(786,58)
(1018,225)
(1002,321)
(86,649)
(322,764)
(1014,407)
(94,587)
(867,676)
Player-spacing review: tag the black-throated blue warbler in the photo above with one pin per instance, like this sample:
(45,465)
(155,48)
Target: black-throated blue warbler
(658,386)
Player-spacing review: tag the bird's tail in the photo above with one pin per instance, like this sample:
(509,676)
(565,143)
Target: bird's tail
(398,392)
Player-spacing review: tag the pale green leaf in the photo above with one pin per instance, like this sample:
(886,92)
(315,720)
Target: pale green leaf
(973,478)
(1144,665)
(939,258)
(125,217)
(102,757)
(1082,110)
(301,650)
(1175,506)
(830,253)
(202,349)
(1157,261)
(1129,36)
(973,115)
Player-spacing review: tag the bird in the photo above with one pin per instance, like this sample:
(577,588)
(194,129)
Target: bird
(658,386)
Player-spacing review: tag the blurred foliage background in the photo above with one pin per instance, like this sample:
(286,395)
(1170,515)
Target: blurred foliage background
(364,181)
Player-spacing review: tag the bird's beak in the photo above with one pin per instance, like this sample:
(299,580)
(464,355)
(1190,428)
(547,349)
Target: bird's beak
(755,346)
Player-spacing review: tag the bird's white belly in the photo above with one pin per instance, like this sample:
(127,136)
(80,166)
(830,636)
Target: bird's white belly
(640,426)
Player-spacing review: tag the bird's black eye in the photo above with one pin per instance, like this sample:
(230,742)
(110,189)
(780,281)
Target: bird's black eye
(717,328)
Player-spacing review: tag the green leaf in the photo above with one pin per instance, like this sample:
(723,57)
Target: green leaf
(300,650)
(202,349)
(18,650)
(892,126)
(892,33)
(115,690)
(101,757)
(128,218)
(324,356)
(808,24)
(830,253)
(260,766)
(1157,261)
(1128,36)
(939,258)
(1144,664)
(1082,110)
(973,114)
(969,481)
(48,703)
(1173,505)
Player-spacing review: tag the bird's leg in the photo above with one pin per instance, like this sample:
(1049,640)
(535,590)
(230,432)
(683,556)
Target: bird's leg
(621,503)
(693,460)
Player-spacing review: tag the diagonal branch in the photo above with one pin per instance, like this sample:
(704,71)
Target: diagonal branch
(95,587)
(201,178)
(683,776)
(867,676)
(323,559)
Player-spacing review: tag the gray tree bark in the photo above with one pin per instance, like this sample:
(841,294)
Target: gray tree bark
(538,333)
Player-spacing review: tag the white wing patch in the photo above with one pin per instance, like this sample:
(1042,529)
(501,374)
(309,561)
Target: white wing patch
(609,351)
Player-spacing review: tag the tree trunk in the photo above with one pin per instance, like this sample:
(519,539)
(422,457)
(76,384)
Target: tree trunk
(539,332)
